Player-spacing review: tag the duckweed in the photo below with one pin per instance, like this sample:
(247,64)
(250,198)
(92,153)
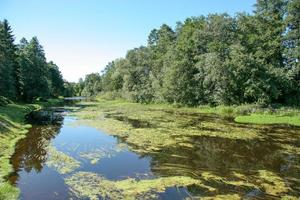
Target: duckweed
(151,128)
(60,161)
(93,186)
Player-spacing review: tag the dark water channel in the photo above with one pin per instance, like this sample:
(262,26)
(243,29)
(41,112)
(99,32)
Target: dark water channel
(103,154)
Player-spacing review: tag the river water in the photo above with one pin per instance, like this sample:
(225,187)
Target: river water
(38,178)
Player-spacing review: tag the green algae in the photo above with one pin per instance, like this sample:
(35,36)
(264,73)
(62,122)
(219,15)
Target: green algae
(171,135)
(93,186)
(272,183)
(288,197)
(151,128)
(95,155)
(221,197)
(60,161)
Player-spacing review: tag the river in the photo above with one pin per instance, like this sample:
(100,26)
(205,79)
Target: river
(45,161)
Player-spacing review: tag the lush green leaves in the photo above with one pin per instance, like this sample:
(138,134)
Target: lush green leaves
(25,73)
(216,59)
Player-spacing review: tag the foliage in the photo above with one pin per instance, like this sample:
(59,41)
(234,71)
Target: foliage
(92,85)
(25,73)
(8,65)
(216,59)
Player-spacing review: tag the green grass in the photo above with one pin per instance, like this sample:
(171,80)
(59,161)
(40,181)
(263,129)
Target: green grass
(254,114)
(246,113)
(269,119)
(8,192)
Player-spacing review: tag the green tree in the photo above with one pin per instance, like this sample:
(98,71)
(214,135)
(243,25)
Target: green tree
(33,70)
(92,84)
(8,65)
(56,80)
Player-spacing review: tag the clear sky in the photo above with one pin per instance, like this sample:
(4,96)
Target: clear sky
(82,36)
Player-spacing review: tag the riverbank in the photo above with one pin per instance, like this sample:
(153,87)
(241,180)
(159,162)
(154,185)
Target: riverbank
(248,113)
(254,114)
(12,129)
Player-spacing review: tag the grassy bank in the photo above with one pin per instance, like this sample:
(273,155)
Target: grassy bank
(254,114)
(247,113)
(12,129)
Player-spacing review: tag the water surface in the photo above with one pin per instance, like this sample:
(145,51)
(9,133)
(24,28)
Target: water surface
(106,155)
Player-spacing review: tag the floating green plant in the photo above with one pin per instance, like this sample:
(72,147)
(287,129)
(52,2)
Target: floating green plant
(186,142)
(221,197)
(95,156)
(93,186)
(151,128)
(272,183)
(60,161)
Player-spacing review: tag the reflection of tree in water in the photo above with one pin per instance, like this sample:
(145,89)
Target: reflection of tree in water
(227,157)
(31,152)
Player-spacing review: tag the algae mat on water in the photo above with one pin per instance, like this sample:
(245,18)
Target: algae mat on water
(153,127)
(233,160)
(93,186)
(60,161)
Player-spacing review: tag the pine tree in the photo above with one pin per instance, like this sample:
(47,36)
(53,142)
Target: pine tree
(8,64)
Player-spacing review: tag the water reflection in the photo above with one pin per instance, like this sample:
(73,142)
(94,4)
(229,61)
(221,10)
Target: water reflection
(31,152)
(230,165)
(225,158)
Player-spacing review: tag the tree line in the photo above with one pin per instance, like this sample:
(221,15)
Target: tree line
(214,59)
(25,73)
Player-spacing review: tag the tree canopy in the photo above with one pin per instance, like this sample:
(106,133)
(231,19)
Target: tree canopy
(25,73)
(214,59)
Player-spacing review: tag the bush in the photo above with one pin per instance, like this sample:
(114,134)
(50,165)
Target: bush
(4,101)
(113,95)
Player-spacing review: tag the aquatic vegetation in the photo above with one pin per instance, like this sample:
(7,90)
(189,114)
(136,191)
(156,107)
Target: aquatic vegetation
(96,155)
(222,197)
(211,157)
(240,181)
(153,127)
(60,161)
(90,185)
(172,135)
(288,197)
(272,183)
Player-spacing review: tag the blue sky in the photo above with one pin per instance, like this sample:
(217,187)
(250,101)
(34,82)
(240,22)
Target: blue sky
(82,36)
